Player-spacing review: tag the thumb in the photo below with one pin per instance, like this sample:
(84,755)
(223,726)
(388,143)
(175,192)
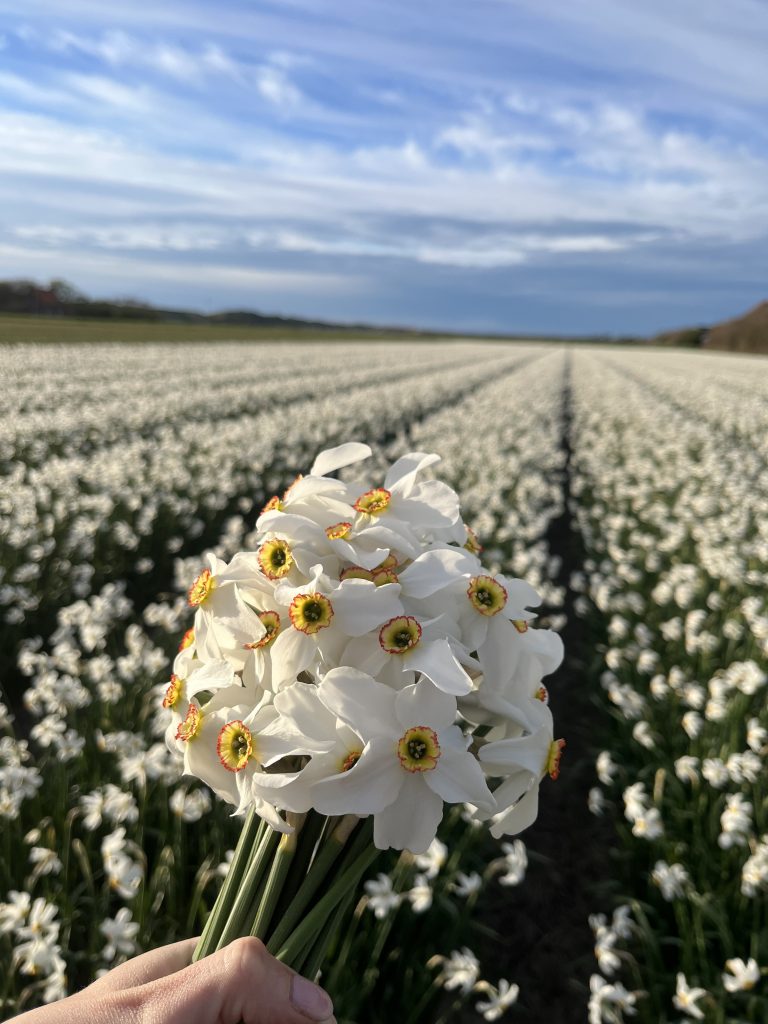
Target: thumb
(240,983)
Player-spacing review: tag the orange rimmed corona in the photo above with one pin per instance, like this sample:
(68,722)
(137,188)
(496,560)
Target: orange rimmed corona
(188,639)
(554,756)
(487,595)
(384,576)
(235,746)
(275,558)
(339,531)
(271,622)
(286,493)
(472,544)
(273,505)
(173,693)
(418,749)
(400,634)
(356,572)
(201,589)
(191,725)
(351,760)
(374,502)
(310,613)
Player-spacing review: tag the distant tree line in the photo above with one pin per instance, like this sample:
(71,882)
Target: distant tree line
(59,298)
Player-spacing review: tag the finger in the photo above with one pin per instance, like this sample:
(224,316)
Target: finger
(157,963)
(241,982)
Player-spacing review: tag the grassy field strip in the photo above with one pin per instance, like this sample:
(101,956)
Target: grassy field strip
(675,596)
(51,331)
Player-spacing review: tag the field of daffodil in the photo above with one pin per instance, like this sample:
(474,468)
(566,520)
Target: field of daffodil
(124,466)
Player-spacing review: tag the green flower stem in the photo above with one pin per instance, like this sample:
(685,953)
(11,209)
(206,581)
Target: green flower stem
(316,919)
(430,993)
(312,831)
(343,954)
(317,873)
(251,832)
(278,873)
(249,891)
(317,952)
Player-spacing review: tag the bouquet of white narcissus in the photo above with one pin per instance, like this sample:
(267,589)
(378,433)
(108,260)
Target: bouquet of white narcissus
(344,680)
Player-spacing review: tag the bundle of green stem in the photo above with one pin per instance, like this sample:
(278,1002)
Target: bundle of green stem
(294,892)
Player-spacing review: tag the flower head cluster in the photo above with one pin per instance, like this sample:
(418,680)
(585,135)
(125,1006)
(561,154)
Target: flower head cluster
(33,928)
(359,659)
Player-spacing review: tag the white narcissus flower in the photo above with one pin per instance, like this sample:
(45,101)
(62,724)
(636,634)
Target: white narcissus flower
(460,970)
(467,885)
(686,998)
(382,898)
(414,758)
(757,736)
(513,665)
(230,740)
(14,912)
(486,605)
(404,644)
(432,860)
(735,821)
(317,496)
(44,860)
(335,748)
(290,546)
(498,1000)
(324,615)
(514,864)
(120,932)
(407,508)
(672,879)
(223,620)
(522,762)
(420,894)
(740,976)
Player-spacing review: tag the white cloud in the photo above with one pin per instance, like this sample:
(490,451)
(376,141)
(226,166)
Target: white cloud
(216,59)
(174,61)
(176,238)
(180,133)
(275,86)
(111,93)
(29,92)
(262,282)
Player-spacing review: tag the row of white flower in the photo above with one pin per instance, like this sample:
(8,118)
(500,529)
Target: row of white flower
(126,503)
(672,511)
(70,401)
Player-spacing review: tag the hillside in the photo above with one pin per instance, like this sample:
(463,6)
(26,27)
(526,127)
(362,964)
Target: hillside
(748,333)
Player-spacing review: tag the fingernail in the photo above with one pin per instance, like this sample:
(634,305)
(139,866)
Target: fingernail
(309,999)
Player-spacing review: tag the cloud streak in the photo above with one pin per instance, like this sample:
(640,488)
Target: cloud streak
(390,145)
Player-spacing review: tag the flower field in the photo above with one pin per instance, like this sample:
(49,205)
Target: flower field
(123,465)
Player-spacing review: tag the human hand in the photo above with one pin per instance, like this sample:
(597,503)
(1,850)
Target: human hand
(240,984)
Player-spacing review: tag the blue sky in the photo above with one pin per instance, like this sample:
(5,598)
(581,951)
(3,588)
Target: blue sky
(498,165)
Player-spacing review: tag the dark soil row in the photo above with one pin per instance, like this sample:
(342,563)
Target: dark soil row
(544,941)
